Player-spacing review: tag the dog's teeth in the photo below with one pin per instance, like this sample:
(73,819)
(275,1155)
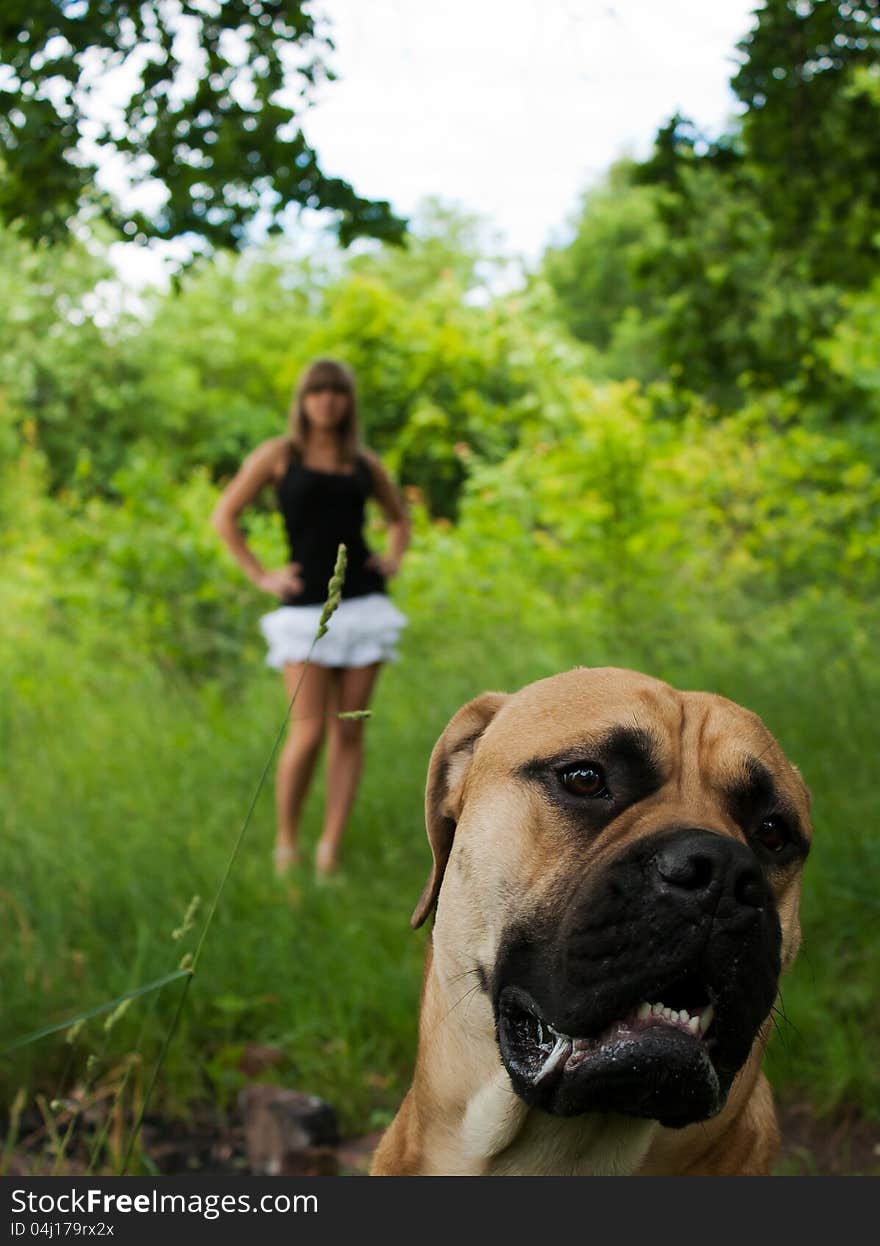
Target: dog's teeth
(644,1011)
(706,1018)
(657,1010)
(557,1057)
(694,1024)
(540,1033)
(684,1015)
(670,1015)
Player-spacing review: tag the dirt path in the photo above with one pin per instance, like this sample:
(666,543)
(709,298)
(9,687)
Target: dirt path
(845,1145)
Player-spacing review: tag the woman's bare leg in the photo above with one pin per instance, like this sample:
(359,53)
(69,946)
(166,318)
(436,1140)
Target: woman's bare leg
(345,756)
(296,763)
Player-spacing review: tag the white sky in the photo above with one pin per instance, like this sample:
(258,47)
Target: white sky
(510,107)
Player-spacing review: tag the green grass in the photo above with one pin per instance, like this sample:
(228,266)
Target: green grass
(124,791)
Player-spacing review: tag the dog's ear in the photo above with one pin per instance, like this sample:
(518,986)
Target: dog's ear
(450,761)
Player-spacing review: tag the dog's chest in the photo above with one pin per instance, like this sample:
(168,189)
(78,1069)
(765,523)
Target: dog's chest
(584,1146)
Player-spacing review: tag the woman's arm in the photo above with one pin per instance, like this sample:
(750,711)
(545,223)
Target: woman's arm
(258,470)
(393,508)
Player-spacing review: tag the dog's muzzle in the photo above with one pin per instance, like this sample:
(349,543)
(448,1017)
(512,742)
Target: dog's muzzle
(648,994)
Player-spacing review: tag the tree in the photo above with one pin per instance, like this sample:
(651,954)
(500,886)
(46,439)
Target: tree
(596,275)
(733,310)
(216,88)
(738,258)
(807,148)
(63,384)
(812,130)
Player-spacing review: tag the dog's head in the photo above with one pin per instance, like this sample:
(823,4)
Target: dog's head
(618,864)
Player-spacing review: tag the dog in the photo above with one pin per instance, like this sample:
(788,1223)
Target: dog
(616,875)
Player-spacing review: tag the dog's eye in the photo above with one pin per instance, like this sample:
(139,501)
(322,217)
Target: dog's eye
(772,834)
(583,780)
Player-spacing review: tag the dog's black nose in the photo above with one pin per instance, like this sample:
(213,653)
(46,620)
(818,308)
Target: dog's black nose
(705,865)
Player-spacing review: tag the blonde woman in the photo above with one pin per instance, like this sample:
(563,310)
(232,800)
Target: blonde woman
(322,476)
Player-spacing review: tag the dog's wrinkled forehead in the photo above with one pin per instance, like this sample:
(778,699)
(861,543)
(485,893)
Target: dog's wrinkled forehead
(580,704)
(587,710)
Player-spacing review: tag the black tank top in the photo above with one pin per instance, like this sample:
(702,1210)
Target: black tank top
(320,510)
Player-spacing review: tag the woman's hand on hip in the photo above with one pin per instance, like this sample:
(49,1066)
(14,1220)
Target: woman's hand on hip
(386,567)
(284,583)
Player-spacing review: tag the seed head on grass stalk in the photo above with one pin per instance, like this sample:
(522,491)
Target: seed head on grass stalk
(56,1144)
(334,590)
(75,1030)
(189,919)
(117,1014)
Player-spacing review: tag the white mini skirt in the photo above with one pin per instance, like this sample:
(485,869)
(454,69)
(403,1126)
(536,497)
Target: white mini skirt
(361,631)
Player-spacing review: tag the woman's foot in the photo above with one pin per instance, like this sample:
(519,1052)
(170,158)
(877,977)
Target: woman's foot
(326,858)
(285,856)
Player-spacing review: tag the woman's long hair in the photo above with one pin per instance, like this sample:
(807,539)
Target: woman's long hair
(323,374)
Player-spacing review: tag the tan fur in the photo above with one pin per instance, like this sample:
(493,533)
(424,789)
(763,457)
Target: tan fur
(500,851)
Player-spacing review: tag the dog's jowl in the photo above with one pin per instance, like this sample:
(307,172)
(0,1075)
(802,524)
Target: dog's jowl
(616,879)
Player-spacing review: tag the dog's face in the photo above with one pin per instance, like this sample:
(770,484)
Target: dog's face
(618,866)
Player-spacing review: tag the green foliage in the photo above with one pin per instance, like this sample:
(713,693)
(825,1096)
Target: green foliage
(597,276)
(739,315)
(60,373)
(442,382)
(615,502)
(141,570)
(434,378)
(719,263)
(699,290)
(483,412)
(214,387)
(853,354)
(812,131)
(220,150)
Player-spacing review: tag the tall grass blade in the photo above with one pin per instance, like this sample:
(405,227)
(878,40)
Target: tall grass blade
(334,593)
(97,1011)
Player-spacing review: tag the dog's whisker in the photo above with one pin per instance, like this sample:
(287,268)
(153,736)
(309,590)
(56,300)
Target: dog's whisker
(786,1018)
(457,977)
(459,1001)
(779,1030)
